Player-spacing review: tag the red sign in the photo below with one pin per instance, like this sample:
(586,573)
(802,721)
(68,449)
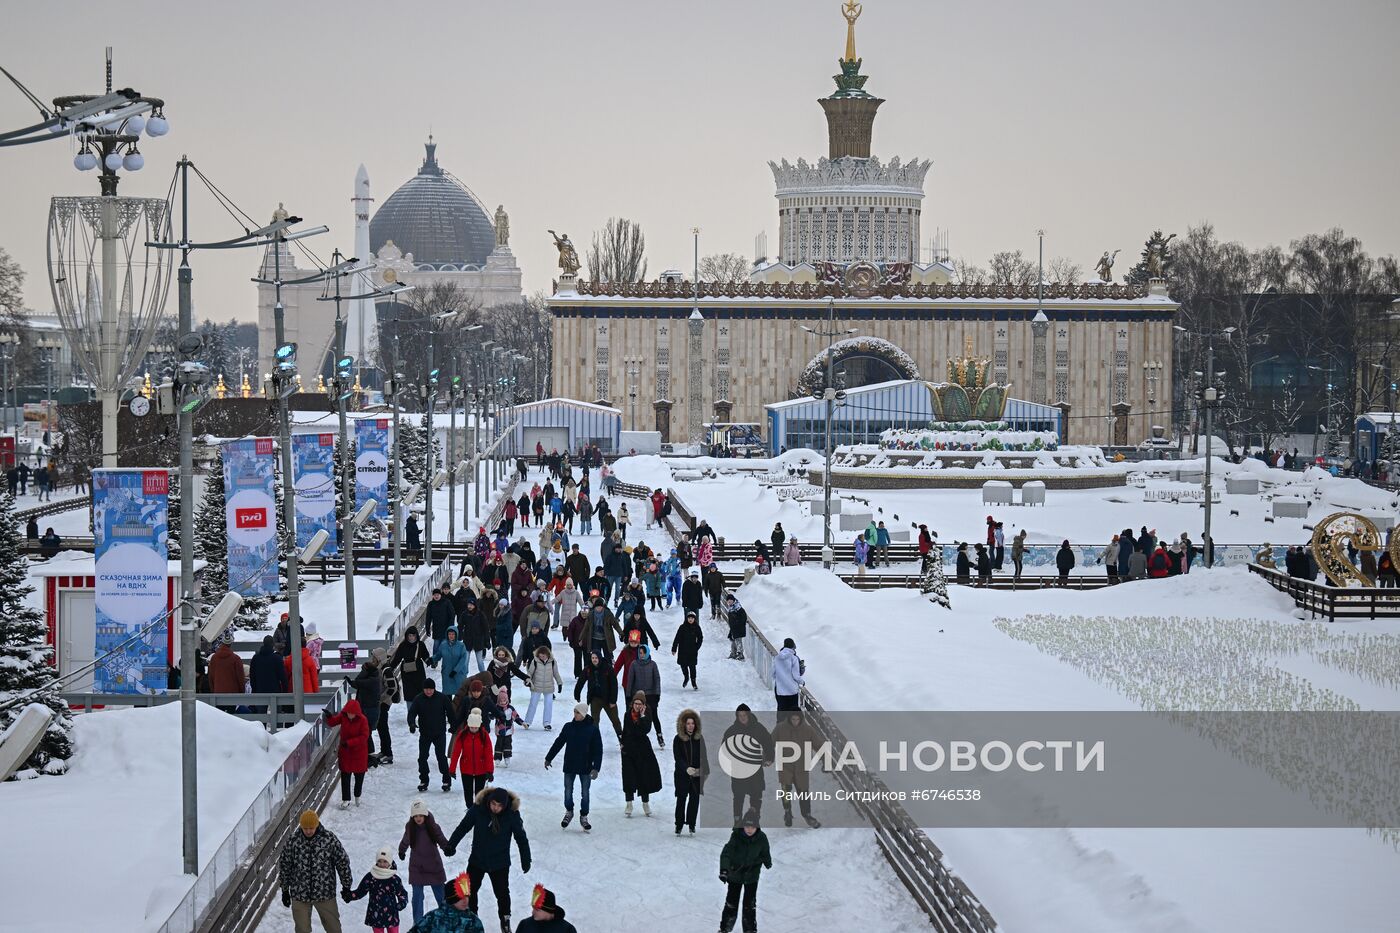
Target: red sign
(327,440)
(155,483)
(262,445)
(382,424)
(7,451)
(250,518)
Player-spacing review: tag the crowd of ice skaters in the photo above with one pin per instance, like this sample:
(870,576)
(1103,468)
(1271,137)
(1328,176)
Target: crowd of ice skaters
(488,635)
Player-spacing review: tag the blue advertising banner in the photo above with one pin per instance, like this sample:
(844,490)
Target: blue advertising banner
(129,520)
(372,464)
(313,462)
(250,510)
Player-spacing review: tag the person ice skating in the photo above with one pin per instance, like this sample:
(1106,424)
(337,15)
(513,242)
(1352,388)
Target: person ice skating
(685,647)
(741,861)
(388,695)
(793,731)
(600,683)
(410,659)
(546,916)
(538,638)
(385,891)
(1018,552)
(493,819)
(788,670)
(472,758)
(369,687)
(964,565)
(692,766)
(457,916)
(738,626)
(311,861)
(714,589)
(474,632)
(643,676)
(421,842)
(545,682)
(352,754)
(506,718)
(583,758)
(503,669)
(623,519)
(751,787)
(641,776)
(430,715)
(441,614)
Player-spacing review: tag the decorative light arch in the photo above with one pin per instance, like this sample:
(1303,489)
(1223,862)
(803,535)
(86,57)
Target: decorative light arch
(813,376)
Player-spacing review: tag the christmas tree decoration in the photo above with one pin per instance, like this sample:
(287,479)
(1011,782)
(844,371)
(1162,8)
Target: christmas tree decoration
(932,583)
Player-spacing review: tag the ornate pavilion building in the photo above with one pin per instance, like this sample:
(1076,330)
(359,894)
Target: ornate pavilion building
(848,259)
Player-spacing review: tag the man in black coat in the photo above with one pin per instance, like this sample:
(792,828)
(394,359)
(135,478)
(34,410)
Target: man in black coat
(493,819)
(368,689)
(441,615)
(746,723)
(266,672)
(577,564)
(430,715)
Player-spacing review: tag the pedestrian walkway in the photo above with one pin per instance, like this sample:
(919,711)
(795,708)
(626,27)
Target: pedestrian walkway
(634,875)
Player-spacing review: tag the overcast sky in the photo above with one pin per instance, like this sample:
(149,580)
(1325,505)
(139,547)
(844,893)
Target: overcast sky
(1095,120)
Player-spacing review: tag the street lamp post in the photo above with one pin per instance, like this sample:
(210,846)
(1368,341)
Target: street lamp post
(1210,395)
(831,395)
(8,342)
(634,369)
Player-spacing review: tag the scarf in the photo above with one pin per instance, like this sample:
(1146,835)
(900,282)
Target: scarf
(383,874)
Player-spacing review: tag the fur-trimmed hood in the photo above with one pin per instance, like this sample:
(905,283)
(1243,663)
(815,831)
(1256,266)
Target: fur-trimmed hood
(483,797)
(680,724)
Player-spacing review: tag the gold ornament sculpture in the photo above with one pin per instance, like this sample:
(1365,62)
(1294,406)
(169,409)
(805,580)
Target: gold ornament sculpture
(246,389)
(1329,548)
(220,390)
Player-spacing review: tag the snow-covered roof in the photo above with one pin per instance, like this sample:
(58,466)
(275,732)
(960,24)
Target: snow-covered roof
(859,390)
(569,401)
(81,564)
(1380,417)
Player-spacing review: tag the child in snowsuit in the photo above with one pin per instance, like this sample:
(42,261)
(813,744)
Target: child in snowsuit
(671,570)
(386,894)
(505,726)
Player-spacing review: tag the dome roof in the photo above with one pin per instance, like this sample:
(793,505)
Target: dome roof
(436,218)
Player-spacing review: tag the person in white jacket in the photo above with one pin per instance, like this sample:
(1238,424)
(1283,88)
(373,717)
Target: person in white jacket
(787,675)
(545,682)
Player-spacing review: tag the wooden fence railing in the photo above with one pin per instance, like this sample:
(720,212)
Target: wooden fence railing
(1334,602)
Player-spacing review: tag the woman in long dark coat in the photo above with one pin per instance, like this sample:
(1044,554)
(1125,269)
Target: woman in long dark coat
(692,767)
(641,776)
(686,647)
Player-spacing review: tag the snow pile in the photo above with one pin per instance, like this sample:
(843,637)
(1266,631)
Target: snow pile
(119,806)
(324,604)
(1097,880)
(972,435)
(643,470)
(740,508)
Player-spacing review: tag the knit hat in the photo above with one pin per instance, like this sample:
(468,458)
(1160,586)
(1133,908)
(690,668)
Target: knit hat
(639,695)
(379,654)
(581,709)
(419,808)
(751,817)
(541,898)
(429,684)
(503,694)
(459,888)
(383,873)
(309,820)
(474,719)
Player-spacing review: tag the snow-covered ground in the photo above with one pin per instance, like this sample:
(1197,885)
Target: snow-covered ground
(917,656)
(635,876)
(741,509)
(374,604)
(99,848)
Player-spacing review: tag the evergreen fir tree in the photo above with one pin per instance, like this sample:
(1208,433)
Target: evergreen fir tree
(24,652)
(172,518)
(932,583)
(1137,275)
(211,545)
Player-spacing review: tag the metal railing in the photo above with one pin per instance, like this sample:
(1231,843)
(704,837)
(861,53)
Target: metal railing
(882,581)
(1334,602)
(229,862)
(273,710)
(950,906)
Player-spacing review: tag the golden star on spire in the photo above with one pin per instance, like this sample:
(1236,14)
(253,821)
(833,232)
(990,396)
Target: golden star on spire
(851,10)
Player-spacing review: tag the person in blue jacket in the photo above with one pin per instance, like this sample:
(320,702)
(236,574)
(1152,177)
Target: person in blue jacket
(671,571)
(450,657)
(882,544)
(583,757)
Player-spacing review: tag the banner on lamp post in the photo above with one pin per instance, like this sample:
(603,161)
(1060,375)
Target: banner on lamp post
(372,464)
(250,510)
(130,510)
(313,459)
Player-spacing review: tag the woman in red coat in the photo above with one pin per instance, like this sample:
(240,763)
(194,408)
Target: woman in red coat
(353,754)
(472,756)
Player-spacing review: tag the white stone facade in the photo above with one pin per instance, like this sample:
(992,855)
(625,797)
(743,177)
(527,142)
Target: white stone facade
(848,209)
